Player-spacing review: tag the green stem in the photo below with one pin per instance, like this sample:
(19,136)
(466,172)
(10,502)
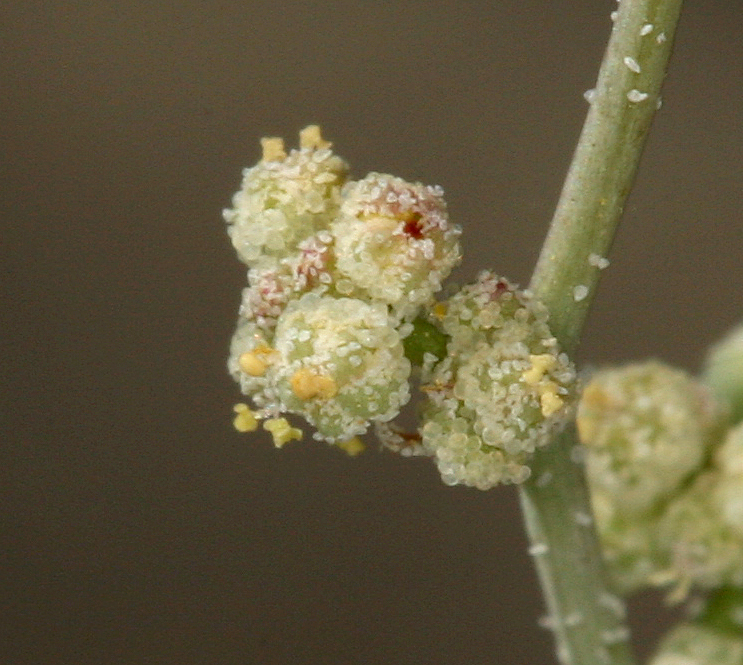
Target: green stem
(586,617)
(605,162)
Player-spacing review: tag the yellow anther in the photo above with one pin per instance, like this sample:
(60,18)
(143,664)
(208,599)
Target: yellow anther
(251,363)
(273,149)
(540,365)
(245,420)
(352,447)
(439,310)
(310,137)
(281,431)
(256,361)
(307,384)
(549,400)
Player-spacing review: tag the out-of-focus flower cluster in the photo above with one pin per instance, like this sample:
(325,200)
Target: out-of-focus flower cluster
(665,469)
(337,270)
(694,644)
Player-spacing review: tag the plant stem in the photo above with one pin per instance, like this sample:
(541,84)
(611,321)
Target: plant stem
(605,162)
(587,618)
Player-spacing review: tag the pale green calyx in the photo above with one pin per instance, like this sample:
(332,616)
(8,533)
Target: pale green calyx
(728,494)
(694,644)
(503,389)
(285,198)
(648,429)
(723,371)
(393,241)
(666,481)
(340,364)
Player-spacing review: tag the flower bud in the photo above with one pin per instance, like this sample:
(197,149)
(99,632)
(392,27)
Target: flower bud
(704,550)
(272,288)
(728,492)
(393,242)
(723,371)
(339,363)
(285,199)
(633,556)
(695,644)
(503,390)
(647,428)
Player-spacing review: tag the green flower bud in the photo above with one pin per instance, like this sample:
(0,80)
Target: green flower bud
(723,371)
(693,644)
(629,546)
(728,492)
(503,390)
(285,199)
(704,550)
(393,242)
(340,364)
(647,428)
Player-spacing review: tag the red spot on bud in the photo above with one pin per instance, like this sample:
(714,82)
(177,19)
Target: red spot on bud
(413,226)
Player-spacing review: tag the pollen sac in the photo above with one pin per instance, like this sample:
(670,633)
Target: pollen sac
(250,358)
(394,242)
(503,390)
(285,199)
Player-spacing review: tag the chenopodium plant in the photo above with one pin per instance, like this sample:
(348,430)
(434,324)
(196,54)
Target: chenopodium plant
(340,316)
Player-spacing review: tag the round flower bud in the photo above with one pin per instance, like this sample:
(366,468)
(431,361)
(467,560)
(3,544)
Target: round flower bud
(503,390)
(728,493)
(696,644)
(393,242)
(723,371)
(340,364)
(285,199)
(647,428)
(704,550)
(629,546)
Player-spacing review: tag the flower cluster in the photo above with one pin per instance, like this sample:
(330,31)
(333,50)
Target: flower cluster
(337,270)
(503,389)
(695,644)
(665,491)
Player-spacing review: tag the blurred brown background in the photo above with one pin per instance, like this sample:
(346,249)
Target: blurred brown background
(137,526)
